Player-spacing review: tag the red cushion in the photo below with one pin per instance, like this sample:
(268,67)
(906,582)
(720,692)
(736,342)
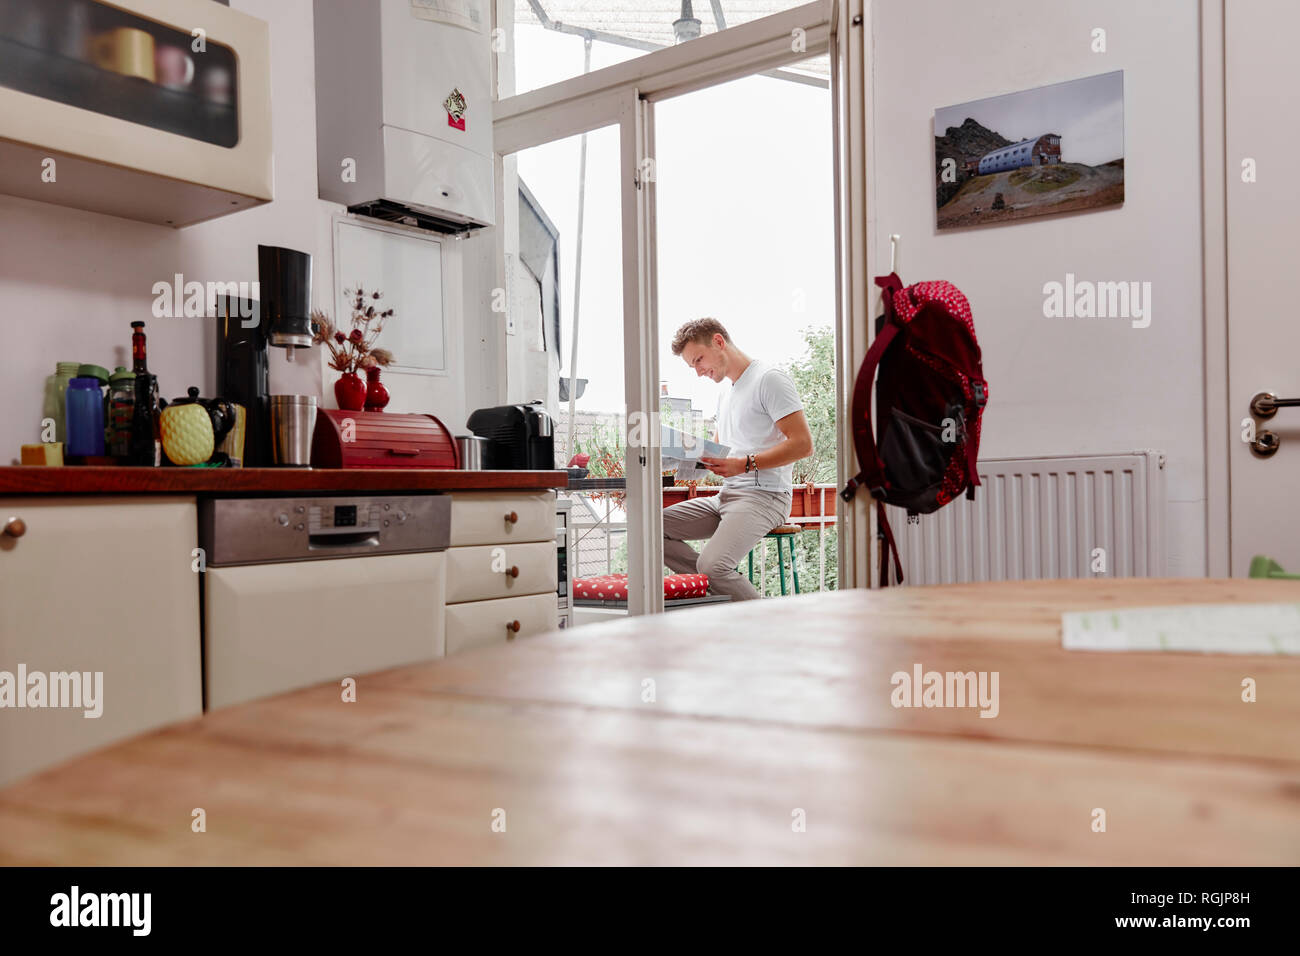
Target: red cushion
(613,587)
(686,585)
(605,587)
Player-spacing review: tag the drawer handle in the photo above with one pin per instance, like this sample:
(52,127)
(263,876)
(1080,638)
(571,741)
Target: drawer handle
(513,517)
(15,527)
(511,630)
(514,571)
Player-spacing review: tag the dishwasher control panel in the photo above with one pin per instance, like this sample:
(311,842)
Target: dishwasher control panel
(235,531)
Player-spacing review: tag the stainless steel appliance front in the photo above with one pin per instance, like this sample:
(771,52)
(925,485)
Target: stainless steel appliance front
(299,591)
(236,531)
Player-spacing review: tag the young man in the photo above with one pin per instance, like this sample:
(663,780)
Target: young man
(761,418)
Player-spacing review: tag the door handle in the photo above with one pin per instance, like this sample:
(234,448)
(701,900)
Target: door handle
(1266,404)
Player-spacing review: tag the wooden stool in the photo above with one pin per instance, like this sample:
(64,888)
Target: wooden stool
(786,533)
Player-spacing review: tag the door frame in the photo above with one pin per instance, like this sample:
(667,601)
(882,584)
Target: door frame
(624,95)
(1219,429)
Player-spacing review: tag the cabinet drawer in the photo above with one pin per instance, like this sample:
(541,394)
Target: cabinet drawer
(483,623)
(485,518)
(483,573)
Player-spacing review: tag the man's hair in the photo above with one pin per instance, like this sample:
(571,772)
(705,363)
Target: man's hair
(698,330)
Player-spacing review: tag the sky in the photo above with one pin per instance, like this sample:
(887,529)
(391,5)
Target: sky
(744,175)
(1088,113)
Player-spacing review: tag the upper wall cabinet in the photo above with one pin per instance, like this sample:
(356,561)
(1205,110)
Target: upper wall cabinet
(156,110)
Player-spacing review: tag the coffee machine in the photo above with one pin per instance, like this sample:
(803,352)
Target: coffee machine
(519,437)
(280,317)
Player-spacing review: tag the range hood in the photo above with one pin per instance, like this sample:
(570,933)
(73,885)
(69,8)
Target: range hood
(404,110)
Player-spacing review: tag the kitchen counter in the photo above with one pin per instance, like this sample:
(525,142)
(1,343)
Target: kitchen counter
(85,480)
(758,714)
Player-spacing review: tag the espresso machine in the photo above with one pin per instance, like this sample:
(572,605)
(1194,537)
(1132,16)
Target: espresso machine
(280,317)
(519,437)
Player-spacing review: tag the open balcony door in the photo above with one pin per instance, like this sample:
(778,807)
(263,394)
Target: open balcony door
(624,95)
(856,262)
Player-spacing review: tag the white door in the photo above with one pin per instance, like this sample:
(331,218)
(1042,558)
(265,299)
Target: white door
(1262,88)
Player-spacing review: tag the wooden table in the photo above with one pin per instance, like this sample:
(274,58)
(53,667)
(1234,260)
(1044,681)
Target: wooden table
(760,711)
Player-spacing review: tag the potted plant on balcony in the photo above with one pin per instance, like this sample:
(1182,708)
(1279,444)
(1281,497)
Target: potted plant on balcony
(605,454)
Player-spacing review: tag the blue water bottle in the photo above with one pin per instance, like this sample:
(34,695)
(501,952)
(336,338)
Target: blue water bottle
(85,421)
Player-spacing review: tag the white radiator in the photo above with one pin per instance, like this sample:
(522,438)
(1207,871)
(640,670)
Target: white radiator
(1043,518)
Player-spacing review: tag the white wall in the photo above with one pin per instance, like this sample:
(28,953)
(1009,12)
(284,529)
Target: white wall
(71,282)
(1061,386)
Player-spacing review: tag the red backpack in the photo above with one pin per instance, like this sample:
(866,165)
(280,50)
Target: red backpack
(930,395)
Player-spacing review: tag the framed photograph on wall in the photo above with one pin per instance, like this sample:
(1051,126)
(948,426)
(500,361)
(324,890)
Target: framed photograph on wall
(406,266)
(1057,148)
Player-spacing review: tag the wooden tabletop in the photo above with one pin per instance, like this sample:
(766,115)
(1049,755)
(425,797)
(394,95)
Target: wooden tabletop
(96,480)
(762,715)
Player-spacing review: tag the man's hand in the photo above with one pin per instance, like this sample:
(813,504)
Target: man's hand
(725,467)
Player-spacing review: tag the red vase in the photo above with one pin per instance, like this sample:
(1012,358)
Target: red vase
(350,392)
(376,391)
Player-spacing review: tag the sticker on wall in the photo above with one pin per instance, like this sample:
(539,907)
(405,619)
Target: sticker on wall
(455,106)
(1057,148)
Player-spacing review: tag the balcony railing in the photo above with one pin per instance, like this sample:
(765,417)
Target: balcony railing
(598,526)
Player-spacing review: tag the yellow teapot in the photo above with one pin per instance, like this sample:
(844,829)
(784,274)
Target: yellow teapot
(192,427)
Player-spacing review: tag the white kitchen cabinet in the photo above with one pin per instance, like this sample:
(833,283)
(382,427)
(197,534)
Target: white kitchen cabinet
(156,110)
(97,585)
(269,629)
(501,569)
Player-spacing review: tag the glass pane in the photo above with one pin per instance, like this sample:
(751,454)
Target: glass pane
(745,217)
(99,58)
(563,214)
(549,34)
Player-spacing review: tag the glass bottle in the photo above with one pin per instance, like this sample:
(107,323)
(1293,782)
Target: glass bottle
(145,446)
(55,404)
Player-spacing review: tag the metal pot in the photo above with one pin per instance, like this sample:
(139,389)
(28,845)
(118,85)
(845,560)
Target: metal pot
(472,449)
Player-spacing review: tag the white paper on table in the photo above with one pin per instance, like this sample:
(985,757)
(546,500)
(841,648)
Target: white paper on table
(1203,628)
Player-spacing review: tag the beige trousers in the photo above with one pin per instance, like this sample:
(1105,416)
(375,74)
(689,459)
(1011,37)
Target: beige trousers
(733,521)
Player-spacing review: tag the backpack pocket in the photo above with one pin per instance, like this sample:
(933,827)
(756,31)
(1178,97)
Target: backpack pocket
(914,452)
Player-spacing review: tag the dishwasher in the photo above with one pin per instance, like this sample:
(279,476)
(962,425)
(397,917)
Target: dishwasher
(298,591)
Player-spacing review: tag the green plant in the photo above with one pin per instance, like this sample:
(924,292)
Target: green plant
(607,453)
(813,374)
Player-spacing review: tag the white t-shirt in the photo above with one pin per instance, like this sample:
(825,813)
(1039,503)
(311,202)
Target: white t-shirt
(747,415)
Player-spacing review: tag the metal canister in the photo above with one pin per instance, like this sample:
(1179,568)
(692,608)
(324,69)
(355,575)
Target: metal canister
(471,451)
(293,420)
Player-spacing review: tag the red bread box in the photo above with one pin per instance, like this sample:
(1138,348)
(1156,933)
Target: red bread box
(381,440)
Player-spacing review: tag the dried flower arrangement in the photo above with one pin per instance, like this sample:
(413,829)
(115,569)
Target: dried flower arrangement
(354,350)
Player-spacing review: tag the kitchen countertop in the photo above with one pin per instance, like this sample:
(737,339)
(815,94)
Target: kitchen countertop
(759,711)
(89,480)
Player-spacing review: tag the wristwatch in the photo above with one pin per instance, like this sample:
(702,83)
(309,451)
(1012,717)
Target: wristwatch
(750,463)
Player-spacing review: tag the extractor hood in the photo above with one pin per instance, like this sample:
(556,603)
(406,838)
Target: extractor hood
(404,110)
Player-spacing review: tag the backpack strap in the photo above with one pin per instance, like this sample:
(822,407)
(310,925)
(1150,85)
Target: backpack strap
(972,441)
(873,473)
(885,531)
